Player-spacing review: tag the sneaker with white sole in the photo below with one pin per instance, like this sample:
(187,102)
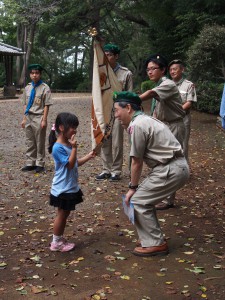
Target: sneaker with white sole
(103,176)
(115,178)
(62,246)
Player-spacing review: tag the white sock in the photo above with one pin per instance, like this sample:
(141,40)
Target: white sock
(55,238)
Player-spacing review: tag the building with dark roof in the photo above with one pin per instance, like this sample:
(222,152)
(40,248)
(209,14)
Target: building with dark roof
(7,53)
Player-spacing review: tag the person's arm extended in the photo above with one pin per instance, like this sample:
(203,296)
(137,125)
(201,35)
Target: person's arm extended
(45,117)
(136,170)
(72,158)
(73,155)
(24,117)
(86,158)
(187,105)
(148,95)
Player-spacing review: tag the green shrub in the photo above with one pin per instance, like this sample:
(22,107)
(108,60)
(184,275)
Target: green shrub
(209,96)
(84,86)
(147,85)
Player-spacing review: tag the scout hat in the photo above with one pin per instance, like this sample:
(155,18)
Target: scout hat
(111,48)
(35,67)
(176,61)
(128,97)
(159,59)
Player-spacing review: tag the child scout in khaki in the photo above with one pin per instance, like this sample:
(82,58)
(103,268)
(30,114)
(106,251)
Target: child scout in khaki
(36,100)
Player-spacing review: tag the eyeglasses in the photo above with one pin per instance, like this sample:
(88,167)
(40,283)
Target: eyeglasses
(152,69)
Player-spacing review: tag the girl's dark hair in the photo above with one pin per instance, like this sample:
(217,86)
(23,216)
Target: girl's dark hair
(68,120)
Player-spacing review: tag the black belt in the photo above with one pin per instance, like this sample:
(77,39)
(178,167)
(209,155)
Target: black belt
(178,155)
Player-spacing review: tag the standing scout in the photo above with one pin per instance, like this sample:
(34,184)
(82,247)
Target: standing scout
(36,100)
(168,107)
(112,149)
(188,96)
(153,143)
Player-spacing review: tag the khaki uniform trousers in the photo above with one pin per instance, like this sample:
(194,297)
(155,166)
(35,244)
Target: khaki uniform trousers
(160,183)
(112,151)
(35,141)
(187,124)
(178,130)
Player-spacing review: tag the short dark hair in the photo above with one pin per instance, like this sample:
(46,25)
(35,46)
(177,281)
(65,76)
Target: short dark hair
(133,106)
(158,59)
(176,62)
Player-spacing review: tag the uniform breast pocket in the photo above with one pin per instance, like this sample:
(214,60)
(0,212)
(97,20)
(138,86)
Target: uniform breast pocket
(183,96)
(37,101)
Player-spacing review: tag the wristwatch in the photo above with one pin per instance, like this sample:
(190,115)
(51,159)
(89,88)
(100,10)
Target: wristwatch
(133,187)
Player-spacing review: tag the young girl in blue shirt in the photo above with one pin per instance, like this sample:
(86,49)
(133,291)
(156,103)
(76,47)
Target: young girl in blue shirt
(65,190)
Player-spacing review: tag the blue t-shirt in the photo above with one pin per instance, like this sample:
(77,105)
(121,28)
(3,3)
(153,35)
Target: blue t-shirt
(65,180)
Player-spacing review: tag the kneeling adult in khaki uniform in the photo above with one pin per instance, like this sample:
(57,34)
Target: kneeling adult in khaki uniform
(153,143)
(36,100)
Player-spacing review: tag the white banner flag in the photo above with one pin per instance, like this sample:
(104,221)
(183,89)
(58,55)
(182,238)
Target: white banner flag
(104,84)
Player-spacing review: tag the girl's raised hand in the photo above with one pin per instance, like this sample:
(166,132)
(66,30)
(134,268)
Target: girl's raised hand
(73,141)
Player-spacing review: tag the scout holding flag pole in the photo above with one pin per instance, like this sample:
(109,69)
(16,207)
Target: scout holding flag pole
(108,77)
(103,86)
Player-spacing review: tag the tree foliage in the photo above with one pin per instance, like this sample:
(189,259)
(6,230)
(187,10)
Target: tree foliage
(57,31)
(206,60)
(208,55)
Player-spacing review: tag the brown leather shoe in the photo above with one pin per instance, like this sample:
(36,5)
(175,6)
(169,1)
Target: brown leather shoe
(152,251)
(163,205)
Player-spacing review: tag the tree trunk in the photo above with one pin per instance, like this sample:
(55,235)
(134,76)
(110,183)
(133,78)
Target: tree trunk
(75,58)
(28,42)
(20,38)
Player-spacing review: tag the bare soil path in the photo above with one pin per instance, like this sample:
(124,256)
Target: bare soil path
(102,265)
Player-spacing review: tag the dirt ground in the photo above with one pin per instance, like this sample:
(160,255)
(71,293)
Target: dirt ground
(102,265)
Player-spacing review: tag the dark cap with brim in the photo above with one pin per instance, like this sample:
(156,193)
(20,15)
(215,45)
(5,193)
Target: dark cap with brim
(176,62)
(158,59)
(111,48)
(35,67)
(128,97)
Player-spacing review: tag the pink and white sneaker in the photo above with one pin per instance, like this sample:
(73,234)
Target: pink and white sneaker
(62,246)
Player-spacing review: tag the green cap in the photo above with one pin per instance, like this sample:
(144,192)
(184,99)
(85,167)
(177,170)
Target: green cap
(111,48)
(35,67)
(128,97)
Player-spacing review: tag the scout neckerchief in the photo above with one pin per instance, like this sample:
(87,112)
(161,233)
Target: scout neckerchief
(180,81)
(153,99)
(32,95)
(116,67)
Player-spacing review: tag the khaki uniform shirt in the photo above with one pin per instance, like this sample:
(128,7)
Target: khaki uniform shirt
(152,141)
(42,98)
(169,104)
(187,91)
(124,77)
